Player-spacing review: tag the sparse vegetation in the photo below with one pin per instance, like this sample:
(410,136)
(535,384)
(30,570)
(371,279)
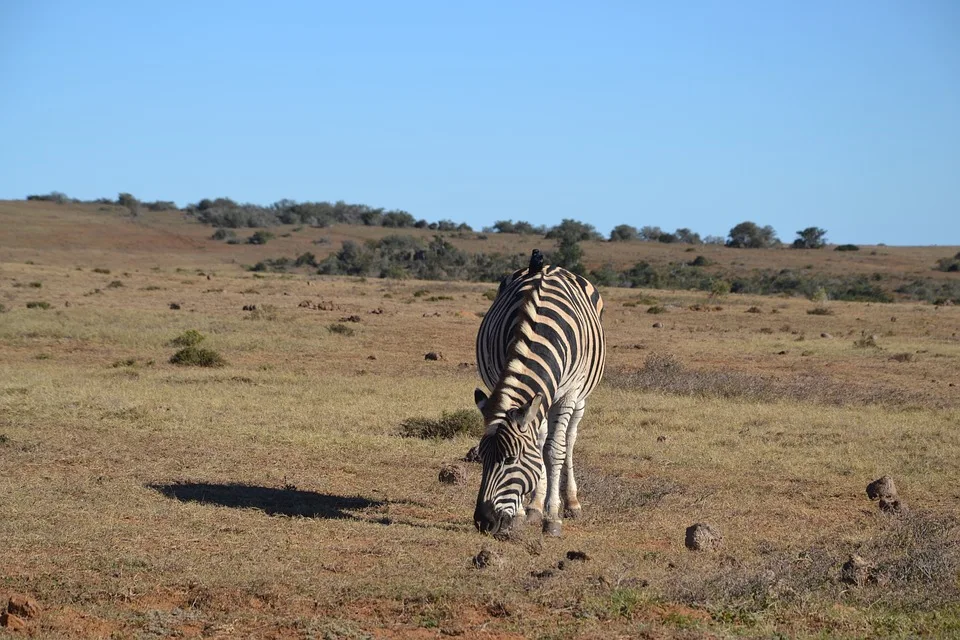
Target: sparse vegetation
(847,247)
(38,304)
(115,284)
(463,422)
(101,270)
(260,237)
(951,265)
(820,311)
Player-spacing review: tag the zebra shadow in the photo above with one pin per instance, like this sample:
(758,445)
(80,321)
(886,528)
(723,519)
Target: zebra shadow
(270,500)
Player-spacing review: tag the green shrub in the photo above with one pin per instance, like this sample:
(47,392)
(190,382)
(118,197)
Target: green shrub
(719,288)
(951,265)
(465,422)
(419,293)
(36,285)
(819,311)
(223,234)
(847,247)
(490,294)
(699,261)
(3,308)
(197,357)
(189,338)
(340,329)
(260,237)
(115,284)
(38,305)
(657,309)
(101,270)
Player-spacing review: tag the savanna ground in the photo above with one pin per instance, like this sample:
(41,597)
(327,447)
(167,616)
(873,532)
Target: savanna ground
(273,497)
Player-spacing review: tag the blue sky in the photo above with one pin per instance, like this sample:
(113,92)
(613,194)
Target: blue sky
(844,115)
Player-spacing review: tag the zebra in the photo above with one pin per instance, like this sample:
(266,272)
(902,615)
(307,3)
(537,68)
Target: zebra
(540,348)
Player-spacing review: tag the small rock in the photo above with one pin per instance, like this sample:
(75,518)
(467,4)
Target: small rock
(855,571)
(433,355)
(577,556)
(12,622)
(174,306)
(473,455)
(486,558)
(703,537)
(23,606)
(658,325)
(882,488)
(452,474)
(825,335)
(371,357)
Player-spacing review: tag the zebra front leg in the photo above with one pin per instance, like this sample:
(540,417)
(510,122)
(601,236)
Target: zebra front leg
(535,508)
(572,507)
(554,455)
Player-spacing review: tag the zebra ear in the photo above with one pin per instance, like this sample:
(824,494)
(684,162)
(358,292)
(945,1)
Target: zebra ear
(480,398)
(529,411)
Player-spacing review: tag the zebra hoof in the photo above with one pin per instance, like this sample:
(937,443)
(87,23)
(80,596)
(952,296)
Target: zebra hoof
(552,529)
(572,512)
(534,517)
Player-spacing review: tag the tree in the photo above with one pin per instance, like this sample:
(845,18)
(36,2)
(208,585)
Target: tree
(624,232)
(575,229)
(751,236)
(568,255)
(128,201)
(810,238)
(686,236)
(650,234)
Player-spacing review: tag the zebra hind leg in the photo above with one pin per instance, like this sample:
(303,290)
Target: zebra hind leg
(572,508)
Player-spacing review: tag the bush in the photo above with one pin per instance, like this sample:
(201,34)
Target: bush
(38,305)
(340,329)
(260,237)
(197,357)
(847,247)
(463,422)
(115,284)
(819,311)
(53,196)
(223,234)
(699,261)
(719,288)
(951,265)
(189,338)
(656,309)
(102,270)
(3,308)
(624,232)
(810,238)
(160,205)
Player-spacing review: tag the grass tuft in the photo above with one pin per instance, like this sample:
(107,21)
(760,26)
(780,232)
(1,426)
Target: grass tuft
(341,329)
(38,304)
(463,422)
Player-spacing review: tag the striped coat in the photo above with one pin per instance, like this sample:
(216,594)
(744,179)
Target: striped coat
(540,349)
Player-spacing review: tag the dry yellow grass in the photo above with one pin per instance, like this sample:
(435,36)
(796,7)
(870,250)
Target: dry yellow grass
(274,497)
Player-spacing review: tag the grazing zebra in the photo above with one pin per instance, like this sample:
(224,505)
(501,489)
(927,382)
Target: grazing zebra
(540,348)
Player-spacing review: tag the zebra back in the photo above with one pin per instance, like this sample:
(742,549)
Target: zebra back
(542,334)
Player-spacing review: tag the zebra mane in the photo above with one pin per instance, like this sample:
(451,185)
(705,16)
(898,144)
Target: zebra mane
(517,354)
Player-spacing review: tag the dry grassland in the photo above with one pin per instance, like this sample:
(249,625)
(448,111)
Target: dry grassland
(274,497)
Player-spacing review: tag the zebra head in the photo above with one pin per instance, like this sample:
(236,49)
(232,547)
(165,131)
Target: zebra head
(511,463)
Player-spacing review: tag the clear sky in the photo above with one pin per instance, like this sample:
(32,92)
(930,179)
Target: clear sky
(841,114)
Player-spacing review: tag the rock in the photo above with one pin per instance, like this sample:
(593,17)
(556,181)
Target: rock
(487,558)
(453,474)
(658,325)
(473,455)
(12,622)
(855,571)
(882,488)
(174,306)
(371,357)
(433,355)
(23,606)
(826,335)
(703,537)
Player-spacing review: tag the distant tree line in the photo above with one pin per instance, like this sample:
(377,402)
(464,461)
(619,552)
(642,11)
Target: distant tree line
(228,214)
